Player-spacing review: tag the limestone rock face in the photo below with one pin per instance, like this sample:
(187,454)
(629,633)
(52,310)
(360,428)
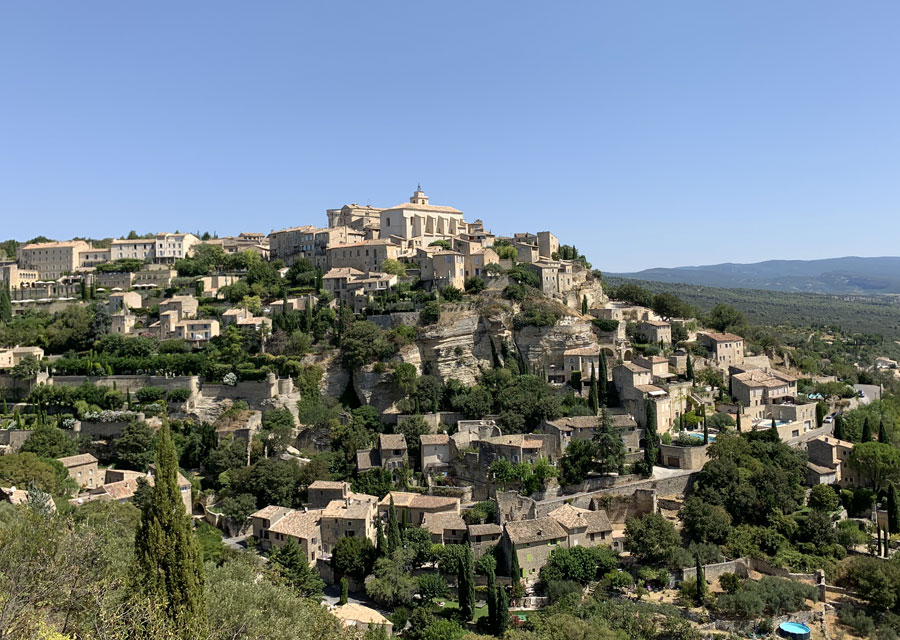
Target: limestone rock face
(456,346)
(376,389)
(544,346)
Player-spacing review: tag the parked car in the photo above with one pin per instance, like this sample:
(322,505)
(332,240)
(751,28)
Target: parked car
(829,418)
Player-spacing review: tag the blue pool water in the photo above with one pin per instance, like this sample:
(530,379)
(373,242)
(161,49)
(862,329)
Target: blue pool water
(795,630)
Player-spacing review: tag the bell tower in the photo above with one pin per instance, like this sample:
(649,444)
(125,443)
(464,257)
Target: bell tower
(419,196)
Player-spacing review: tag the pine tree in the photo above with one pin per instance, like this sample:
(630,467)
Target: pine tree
(893,509)
(393,533)
(701,583)
(603,381)
(345,591)
(882,432)
(467,586)
(168,567)
(584,308)
(502,611)
(839,427)
(690,369)
(593,401)
(5,304)
(380,542)
(866,431)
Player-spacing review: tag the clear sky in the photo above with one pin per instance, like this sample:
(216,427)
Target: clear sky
(646,133)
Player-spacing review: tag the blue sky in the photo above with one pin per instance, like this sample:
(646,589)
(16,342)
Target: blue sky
(646,133)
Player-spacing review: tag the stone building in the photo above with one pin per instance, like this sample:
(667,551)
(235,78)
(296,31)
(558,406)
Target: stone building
(727,349)
(52,260)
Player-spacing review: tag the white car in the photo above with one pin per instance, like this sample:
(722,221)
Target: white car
(829,419)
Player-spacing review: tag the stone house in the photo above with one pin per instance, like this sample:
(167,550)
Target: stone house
(184,306)
(124,300)
(583,527)
(92,257)
(273,526)
(758,389)
(532,541)
(353,516)
(418,219)
(655,331)
(366,255)
(200,330)
(13,356)
(727,349)
(483,536)
(692,458)
(449,269)
(83,469)
(436,451)
(548,244)
(445,528)
(321,493)
(51,260)
(658,366)
(833,454)
(169,247)
(516,448)
(393,451)
(137,249)
(582,359)
(412,507)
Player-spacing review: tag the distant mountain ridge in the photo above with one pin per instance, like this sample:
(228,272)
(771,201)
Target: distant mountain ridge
(848,275)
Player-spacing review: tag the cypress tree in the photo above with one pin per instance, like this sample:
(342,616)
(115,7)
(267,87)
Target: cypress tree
(514,571)
(774,430)
(5,304)
(492,600)
(593,401)
(866,431)
(705,433)
(393,533)
(690,369)
(882,432)
(584,305)
(380,542)
(820,414)
(345,591)
(878,538)
(467,586)
(740,410)
(128,398)
(502,611)
(318,280)
(168,566)
(893,509)
(603,381)
(701,583)
(839,427)
(650,437)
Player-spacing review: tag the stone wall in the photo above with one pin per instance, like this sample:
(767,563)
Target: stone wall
(434,420)
(131,383)
(713,571)
(14,438)
(254,392)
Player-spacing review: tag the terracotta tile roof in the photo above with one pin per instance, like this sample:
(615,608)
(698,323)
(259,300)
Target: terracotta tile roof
(516,440)
(368,459)
(419,501)
(649,388)
(425,207)
(50,245)
(583,351)
(635,368)
(489,529)
(723,337)
(349,509)
(574,518)
(328,484)
(267,513)
(392,441)
(655,323)
(438,523)
(434,439)
(298,524)
(539,530)
(351,615)
(77,461)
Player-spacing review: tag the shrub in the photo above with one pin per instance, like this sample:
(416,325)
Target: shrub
(730,582)
(178,395)
(431,313)
(605,324)
(148,395)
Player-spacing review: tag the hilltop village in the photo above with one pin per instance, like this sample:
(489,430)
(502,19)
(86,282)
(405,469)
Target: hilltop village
(443,430)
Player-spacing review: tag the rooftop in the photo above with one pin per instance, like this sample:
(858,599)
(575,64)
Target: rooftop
(299,524)
(723,337)
(489,529)
(516,440)
(77,461)
(419,501)
(434,439)
(437,523)
(528,531)
(392,441)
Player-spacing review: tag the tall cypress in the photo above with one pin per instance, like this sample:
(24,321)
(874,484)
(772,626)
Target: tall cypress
(774,429)
(878,539)
(492,600)
(820,414)
(893,509)
(690,369)
(593,400)
(502,611)
(393,534)
(701,582)
(882,432)
(650,437)
(603,381)
(839,427)
(514,571)
(740,410)
(380,542)
(168,566)
(467,586)
(705,433)
(584,308)
(5,304)
(866,431)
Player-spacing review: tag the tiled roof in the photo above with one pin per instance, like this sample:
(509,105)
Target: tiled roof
(351,615)
(267,513)
(392,441)
(583,351)
(527,531)
(635,368)
(723,337)
(437,523)
(489,529)
(299,524)
(368,459)
(328,484)
(516,440)
(434,439)
(655,323)
(77,461)
(348,509)
(419,501)
(425,207)
(574,518)
(49,245)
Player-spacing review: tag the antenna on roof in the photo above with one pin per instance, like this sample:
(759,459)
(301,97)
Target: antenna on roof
(419,187)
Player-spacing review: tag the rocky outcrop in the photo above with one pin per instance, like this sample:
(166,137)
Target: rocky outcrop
(544,346)
(376,389)
(456,347)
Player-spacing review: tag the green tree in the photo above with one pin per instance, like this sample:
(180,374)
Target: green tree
(503,612)
(882,432)
(820,413)
(577,461)
(705,523)
(593,399)
(50,442)
(5,304)
(866,431)
(345,591)
(431,586)
(893,509)
(584,305)
(467,586)
(167,562)
(380,541)
(877,461)
(690,369)
(701,583)
(651,538)
(393,529)
(602,381)
(610,450)
(134,449)
(651,438)
(823,498)
(293,564)
(839,427)
(353,556)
